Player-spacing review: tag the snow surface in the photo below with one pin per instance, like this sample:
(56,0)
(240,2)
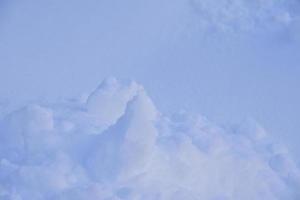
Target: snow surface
(115,144)
(236,58)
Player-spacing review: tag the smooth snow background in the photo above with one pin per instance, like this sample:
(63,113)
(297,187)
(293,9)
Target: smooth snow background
(228,60)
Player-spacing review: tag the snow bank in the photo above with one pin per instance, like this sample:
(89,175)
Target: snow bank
(117,145)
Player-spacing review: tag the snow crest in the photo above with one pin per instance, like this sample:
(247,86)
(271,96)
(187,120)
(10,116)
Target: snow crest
(117,145)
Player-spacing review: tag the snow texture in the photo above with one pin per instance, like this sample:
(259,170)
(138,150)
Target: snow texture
(115,144)
(243,15)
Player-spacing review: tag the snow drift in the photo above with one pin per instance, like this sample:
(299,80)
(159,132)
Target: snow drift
(117,145)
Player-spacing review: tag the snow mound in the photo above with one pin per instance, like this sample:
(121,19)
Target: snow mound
(117,145)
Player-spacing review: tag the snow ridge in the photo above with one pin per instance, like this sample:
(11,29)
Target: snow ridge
(117,145)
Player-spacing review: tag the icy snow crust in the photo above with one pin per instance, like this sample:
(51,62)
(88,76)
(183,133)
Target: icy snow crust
(116,145)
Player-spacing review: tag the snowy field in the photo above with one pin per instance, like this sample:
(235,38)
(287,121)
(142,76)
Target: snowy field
(205,105)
